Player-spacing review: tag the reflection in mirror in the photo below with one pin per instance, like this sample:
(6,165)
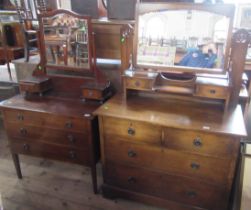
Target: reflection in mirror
(188,38)
(66,41)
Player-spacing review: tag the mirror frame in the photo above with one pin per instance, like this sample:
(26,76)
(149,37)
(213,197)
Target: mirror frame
(91,51)
(227,10)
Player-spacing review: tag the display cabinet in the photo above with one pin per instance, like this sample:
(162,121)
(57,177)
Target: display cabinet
(53,116)
(173,138)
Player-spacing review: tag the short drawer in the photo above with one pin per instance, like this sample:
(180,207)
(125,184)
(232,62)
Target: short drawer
(50,151)
(180,189)
(45,120)
(210,169)
(200,142)
(131,130)
(53,136)
(212,91)
(92,94)
(139,83)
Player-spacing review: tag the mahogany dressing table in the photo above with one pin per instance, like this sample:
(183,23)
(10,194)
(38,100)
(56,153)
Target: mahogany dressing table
(173,138)
(53,117)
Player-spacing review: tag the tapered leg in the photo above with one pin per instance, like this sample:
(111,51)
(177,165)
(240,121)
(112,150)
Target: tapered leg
(94,179)
(17,165)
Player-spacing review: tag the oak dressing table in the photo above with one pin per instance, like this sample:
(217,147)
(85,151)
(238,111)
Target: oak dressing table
(173,138)
(52,118)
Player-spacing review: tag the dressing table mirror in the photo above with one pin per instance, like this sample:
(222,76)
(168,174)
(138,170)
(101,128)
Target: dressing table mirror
(184,49)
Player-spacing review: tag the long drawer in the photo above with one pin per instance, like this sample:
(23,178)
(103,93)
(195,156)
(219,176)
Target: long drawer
(53,136)
(50,151)
(131,130)
(46,120)
(216,170)
(185,190)
(200,142)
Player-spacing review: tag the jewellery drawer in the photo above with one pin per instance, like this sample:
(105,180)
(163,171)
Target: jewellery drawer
(200,142)
(131,130)
(216,170)
(211,91)
(53,136)
(180,189)
(139,83)
(45,120)
(50,151)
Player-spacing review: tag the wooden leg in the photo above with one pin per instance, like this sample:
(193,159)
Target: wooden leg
(94,179)
(17,165)
(26,48)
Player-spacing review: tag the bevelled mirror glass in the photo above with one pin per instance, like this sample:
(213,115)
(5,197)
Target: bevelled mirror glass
(66,39)
(183,37)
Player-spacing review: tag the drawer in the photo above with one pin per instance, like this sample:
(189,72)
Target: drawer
(210,169)
(50,151)
(201,143)
(212,91)
(180,189)
(45,120)
(53,136)
(92,94)
(139,83)
(131,130)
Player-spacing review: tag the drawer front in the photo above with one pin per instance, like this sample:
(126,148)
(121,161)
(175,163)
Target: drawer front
(131,131)
(202,143)
(180,189)
(212,91)
(138,83)
(49,151)
(45,120)
(92,94)
(53,136)
(216,170)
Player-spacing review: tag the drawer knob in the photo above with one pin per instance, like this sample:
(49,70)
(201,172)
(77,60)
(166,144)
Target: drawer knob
(191,194)
(72,154)
(23,131)
(26,147)
(195,166)
(90,93)
(131,153)
(131,131)
(212,91)
(131,180)
(71,138)
(20,117)
(68,124)
(197,142)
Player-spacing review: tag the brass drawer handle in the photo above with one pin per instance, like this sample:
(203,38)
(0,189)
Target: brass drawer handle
(191,194)
(20,117)
(71,138)
(195,166)
(137,84)
(69,124)
(131,153)
(131,131)
(72,154)
(131,180)
(197,142)
(212,91)
(23,131)
(26,147)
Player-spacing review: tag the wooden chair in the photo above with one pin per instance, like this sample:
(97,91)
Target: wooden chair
(28,12)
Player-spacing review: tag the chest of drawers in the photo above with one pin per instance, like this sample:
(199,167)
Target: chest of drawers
(170,154)
(55,129)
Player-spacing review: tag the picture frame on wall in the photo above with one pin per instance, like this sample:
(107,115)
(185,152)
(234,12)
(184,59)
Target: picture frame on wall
(244,16)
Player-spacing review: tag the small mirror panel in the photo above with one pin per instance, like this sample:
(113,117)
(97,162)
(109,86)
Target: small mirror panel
(66,41)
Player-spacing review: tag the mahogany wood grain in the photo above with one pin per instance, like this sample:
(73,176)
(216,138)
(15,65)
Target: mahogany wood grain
(184,190)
